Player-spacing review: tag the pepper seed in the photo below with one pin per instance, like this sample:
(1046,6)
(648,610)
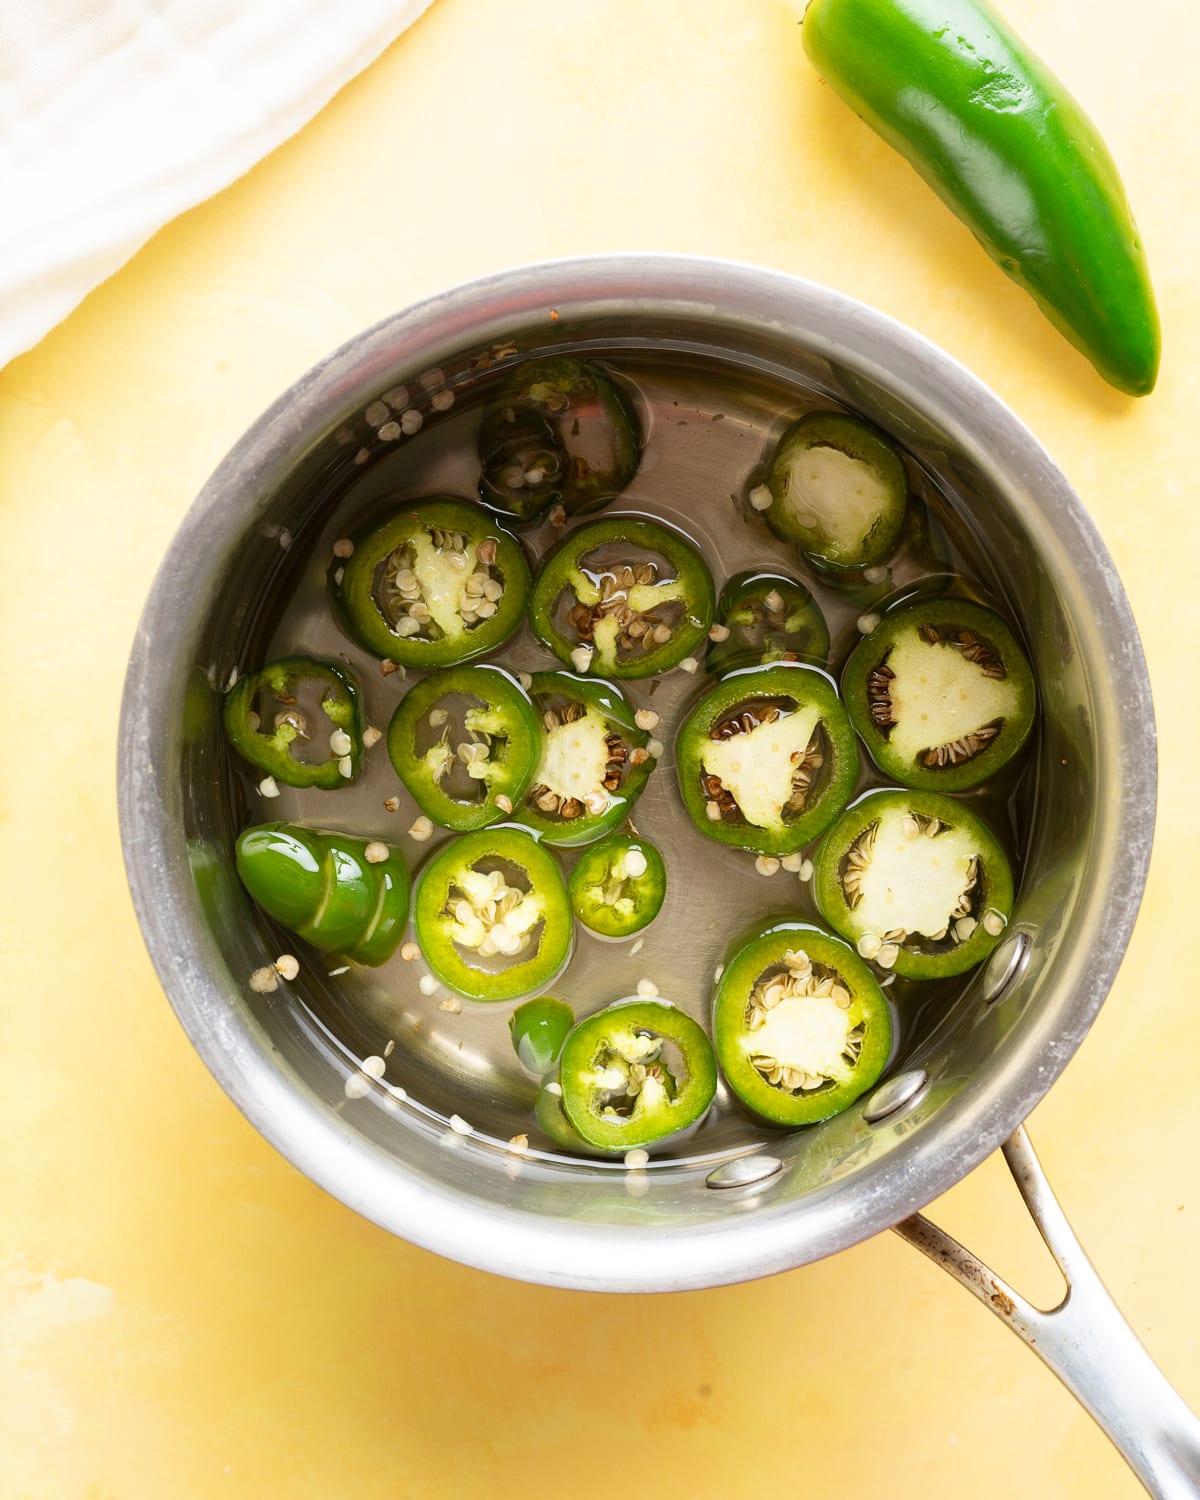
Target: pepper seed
(411,422)
(460,1126)
(409,951)
(647,989)
(646,718)
(287,966)
(371,736)
(375,853)
(346,767)
(343,547)
(268,787)
(761,497)
(373,1066)
(427,984)
(340,742)
(265,980)
(637,1158)
(422,830)
(452,1005)
(391,804)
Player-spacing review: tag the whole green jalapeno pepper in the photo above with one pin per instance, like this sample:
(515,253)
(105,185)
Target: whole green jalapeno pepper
(492,915)
(593,763)
(339,893)
(438,583)
(917,881)
(765,617)
(481,739)
(767,758)
(941,693)
(559,432)
(270,722)
(800,1024)
(635,1074)
(1007,149)
(627,596)
(618,885)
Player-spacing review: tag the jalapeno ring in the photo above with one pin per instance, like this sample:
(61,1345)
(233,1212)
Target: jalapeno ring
(916,880)
(271,750)
(438,583)
(560,432)
(627,596)
(767,758)
(468,901)
(800,1025)
(769,617)
(593,764)
(618,885)
(635,1074)
(496,755)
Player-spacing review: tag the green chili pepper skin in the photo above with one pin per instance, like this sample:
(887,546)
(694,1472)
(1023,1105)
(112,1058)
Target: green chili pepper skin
(321,886)
(462,907)
(612,1105)
(920,865)
(444,558)
(560,432)
(618,886)
(767,758)
(593,763)
(552,1121)
(538,1029)
(270,750)
(1008,150)
(800,1024)
(940,693)
(770,617)
(610,608)
(505,727)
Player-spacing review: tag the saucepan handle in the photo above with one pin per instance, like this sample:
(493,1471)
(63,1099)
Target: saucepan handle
(1084,1340)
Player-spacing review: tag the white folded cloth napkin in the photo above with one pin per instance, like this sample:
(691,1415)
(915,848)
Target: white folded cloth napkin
(116,115)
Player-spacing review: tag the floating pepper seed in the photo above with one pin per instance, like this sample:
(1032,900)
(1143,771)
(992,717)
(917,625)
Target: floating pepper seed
(409,951)
(287,966)
(421,830)
(264,981)
(373,1066)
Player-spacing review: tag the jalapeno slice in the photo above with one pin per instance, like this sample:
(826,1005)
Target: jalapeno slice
(593,764)
(627,596)
(838,490)
(538,1029)
(561,432)
(916,881)
(800,1024)
(465,741)
(618,885)
(552,1121)
(636,1073)
(271,720)
(941,694)
(339,893)
(767,759)
(492,915)
(769,617)
(438,583)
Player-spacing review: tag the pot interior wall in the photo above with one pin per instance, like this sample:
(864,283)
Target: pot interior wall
(263,527)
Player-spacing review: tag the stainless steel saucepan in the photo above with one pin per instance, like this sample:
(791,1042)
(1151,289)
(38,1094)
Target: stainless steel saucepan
(958,1092)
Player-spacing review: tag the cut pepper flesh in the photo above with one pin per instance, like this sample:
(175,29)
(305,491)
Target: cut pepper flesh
(279,686)
(916,880)
(800,1025)
(636,1073)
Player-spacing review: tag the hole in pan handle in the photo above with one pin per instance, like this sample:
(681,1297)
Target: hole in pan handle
(1084,1340)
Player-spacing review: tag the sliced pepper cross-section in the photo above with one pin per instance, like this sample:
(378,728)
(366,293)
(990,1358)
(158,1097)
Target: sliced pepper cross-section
(768,617)
(626,596)
(941,694)
(838,490)
(618,885)
(593,763)
(635,1074)
(339,893)
(767,759)
(438,583)
(465,741)
(271,721)
(800,1024)
(917,881)
(492,915)
(560,432)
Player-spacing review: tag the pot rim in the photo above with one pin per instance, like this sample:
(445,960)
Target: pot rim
(420,1208)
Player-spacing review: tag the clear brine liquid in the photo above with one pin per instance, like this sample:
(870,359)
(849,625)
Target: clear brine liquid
(707,431)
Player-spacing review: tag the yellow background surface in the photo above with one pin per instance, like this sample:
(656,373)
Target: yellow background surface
(185,1315)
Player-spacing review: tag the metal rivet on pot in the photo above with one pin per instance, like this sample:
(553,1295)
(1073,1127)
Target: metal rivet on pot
(742,1171)
(1006,965)
(904,1089)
